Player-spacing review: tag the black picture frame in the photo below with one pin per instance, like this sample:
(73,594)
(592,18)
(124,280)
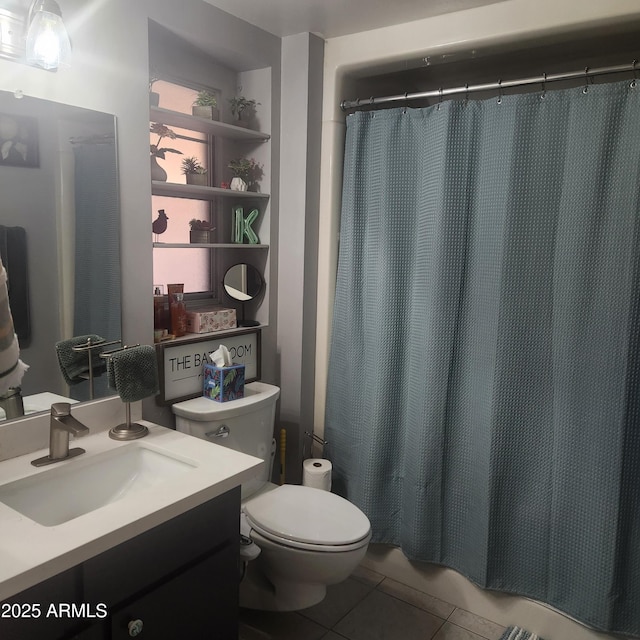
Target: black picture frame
(18,141)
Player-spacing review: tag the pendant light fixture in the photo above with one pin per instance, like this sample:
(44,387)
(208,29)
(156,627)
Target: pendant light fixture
(48,44)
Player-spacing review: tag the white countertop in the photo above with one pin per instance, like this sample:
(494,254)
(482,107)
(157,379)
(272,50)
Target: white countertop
(31,553)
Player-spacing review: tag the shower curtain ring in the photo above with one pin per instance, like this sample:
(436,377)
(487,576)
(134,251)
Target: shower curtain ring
(586,80)
(544,86)
(466,93)
(440,98)
(499,91)
(634,82)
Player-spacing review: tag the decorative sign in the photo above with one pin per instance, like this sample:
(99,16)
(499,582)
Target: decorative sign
(181,365)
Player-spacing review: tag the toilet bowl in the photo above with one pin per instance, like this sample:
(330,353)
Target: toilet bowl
(308,538)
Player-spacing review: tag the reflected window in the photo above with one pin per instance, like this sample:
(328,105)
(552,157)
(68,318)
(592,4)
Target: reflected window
(193,267)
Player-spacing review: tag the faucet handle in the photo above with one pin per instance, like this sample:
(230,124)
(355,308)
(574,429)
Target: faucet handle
(60,409)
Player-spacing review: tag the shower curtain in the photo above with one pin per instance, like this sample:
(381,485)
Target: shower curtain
(482,400)
(97,304)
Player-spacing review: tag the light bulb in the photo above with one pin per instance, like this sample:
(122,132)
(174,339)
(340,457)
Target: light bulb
(48,44)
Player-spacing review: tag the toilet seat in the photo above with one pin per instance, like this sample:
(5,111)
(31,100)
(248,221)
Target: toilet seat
(309,519)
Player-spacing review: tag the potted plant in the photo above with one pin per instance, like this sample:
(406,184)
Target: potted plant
(162,131)
(194,172)
(200,231)
(206,106)
(243,110)
(245,172)
(154,97)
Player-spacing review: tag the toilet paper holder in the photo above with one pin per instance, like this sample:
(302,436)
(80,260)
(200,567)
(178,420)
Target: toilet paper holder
(314,438)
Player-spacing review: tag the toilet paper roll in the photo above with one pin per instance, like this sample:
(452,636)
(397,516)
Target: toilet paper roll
(316,473)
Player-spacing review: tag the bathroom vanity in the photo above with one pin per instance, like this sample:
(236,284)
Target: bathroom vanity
(156,558)
(178,580)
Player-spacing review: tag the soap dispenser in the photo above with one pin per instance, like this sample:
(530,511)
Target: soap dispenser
(178,315)
(159,323)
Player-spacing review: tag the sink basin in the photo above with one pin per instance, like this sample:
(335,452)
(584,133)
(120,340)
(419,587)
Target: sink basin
(63,493)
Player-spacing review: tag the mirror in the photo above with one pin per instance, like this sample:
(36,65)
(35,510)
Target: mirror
(243,282)
(59,185)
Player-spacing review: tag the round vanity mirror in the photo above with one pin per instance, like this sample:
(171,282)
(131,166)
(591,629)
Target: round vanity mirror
(243,282)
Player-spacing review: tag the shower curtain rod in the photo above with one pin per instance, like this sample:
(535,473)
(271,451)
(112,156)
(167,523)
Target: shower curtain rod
(587,74)
(97,139)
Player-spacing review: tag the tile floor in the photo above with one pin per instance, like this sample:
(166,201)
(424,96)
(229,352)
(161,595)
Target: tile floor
(369,606)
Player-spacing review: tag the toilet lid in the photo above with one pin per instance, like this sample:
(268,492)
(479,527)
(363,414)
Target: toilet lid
(304,514)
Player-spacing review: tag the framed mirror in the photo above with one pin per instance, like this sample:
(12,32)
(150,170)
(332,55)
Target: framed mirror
(244,283)
(59,182)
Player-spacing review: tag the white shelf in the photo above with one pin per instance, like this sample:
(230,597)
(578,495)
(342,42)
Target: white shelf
(211,127)
(202,337)
(202,245)
(196,192)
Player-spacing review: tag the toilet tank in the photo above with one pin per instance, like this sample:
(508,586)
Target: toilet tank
(244,425)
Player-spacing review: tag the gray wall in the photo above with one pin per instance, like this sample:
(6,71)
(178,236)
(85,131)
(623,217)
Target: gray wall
(302,66)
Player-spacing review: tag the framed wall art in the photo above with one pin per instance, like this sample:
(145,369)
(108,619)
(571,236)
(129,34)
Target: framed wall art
(18,141)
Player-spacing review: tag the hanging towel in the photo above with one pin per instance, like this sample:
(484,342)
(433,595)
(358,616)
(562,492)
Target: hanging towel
(133,372)
(11,367)
(517,633)
(13,252)
(75,364)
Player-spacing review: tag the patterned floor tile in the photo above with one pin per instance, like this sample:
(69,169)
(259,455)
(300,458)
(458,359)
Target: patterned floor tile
(416,598)
(278,625)
(340,599)
(367,576)
(332,635)
(483,627)
(383,617)
(247,632)
(454,632)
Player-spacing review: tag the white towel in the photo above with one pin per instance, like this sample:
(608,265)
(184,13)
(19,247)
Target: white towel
(11,367)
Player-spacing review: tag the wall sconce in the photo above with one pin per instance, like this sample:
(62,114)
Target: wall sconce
(37,36)
(48,44)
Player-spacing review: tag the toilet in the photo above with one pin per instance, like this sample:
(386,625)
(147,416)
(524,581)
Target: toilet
(305,539)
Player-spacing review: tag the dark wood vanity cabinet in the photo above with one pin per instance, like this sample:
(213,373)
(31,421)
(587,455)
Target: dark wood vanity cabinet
(177,580)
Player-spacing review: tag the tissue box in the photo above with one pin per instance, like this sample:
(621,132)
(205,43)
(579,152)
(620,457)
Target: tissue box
(209,320)
(223,383)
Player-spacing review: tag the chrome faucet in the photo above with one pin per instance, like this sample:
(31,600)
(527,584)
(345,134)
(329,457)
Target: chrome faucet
(62,425)
(11,402)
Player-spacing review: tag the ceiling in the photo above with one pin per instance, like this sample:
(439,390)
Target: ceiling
(333,18)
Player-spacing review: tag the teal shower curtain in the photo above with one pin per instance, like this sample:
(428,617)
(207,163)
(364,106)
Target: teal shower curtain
(483,389)
(97,300)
